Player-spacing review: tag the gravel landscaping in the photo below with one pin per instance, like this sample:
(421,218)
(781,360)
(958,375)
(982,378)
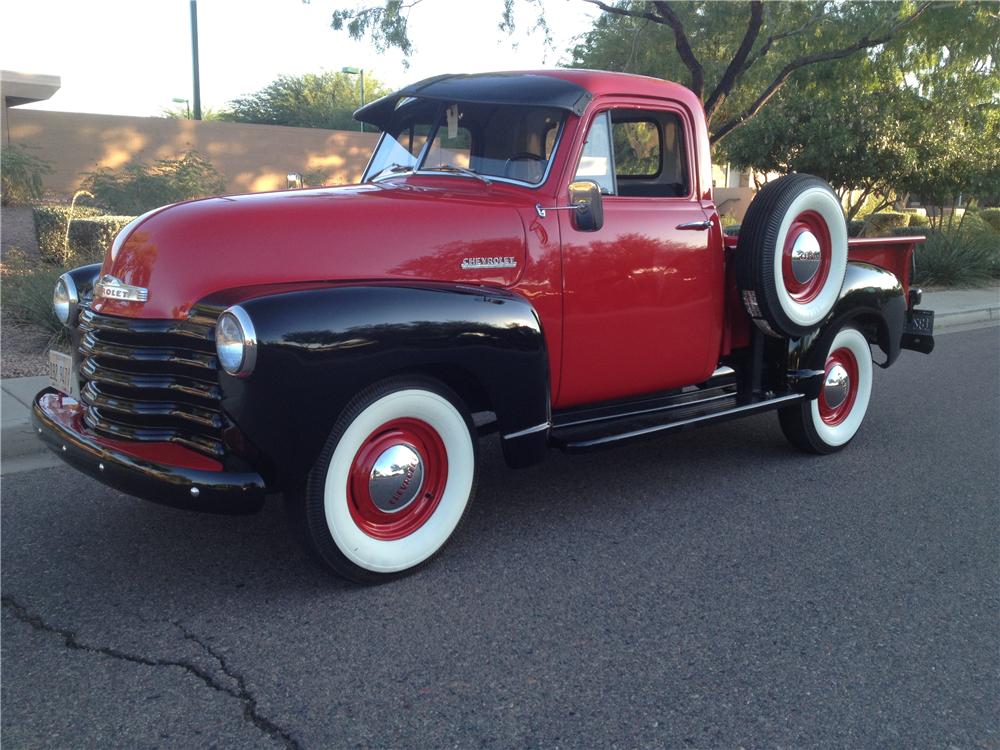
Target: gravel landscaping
(22,351)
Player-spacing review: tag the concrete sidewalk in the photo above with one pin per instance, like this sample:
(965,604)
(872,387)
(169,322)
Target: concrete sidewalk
(21,450)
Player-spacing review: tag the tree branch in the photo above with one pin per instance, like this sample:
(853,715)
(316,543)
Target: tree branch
(766,47)
(614,10)
(865,42)
(683,46)
(735,68)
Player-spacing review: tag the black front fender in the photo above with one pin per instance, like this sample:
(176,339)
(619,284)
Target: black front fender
(318,347)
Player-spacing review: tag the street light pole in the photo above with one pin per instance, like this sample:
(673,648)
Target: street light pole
(194,59)
(360,72)
(186,103)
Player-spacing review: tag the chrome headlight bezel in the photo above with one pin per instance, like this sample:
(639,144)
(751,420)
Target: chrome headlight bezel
(65,300)
(236,342)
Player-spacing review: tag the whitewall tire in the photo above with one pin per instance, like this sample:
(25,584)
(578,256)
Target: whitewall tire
(830,422)
(792,255)
(393,482)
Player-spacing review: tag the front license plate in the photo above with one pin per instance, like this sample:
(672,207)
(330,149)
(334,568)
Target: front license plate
(61,372)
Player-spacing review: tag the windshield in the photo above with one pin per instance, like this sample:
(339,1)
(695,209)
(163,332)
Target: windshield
(490,141)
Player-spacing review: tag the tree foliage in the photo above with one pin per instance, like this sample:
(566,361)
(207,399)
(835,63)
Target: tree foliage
(314,100)
(735,56)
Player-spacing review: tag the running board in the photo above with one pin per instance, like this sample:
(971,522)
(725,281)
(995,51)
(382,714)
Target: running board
(579,436)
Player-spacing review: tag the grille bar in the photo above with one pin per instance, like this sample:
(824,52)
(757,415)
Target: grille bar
(90,345)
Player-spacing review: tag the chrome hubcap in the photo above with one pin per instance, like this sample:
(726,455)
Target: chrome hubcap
(806,255)
(396,478)
(837,386)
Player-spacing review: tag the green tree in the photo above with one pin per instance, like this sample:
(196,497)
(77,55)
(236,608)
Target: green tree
(737,56)
(863,136)
(314,100)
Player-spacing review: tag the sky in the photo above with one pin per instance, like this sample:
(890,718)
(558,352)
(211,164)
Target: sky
(133,57)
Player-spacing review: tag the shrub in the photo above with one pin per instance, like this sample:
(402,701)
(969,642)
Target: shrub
(21,175)
(50,229)
(855,228)
(972,223)
(919,220)
(910,231)
(27,297)
(880,224)
(90,237)
(992,217)
(957,259)
(138,187)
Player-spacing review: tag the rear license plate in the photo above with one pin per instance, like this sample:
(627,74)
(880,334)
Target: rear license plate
(920,322)
(61,373)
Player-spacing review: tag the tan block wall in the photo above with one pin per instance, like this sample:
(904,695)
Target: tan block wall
(733,201)
(252,158)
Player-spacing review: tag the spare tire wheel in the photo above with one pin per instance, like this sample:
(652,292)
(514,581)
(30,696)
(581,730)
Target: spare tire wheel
(792,255)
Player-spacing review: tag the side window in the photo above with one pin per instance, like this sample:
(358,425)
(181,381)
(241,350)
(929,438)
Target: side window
(638,148)
(650,155)
(596,161)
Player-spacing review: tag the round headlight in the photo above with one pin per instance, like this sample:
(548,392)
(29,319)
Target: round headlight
(65,299)
(236,342)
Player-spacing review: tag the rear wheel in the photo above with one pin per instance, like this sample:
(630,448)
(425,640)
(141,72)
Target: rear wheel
(393,482)
(831,421)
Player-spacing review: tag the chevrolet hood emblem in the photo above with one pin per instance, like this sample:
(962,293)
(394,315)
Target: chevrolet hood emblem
(111,288)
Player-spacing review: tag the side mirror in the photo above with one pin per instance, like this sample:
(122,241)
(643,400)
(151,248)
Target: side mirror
(585,196)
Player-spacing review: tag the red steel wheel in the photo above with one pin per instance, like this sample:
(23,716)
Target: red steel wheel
(397,479)
(840,387)
(805,260)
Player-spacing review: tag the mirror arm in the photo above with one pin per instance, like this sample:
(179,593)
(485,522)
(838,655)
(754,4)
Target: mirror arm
(541,211)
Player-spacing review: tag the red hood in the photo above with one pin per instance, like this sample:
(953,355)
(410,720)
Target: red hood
(394,230)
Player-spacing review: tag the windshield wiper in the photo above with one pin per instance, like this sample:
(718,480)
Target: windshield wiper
(459,170)
(392,169)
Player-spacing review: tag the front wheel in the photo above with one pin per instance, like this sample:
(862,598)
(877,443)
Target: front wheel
(393,482)
(829,422)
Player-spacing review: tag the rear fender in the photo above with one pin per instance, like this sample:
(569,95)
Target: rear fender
(873,300)
(318,347)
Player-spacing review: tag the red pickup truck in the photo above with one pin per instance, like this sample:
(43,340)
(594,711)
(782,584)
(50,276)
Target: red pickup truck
(537,254)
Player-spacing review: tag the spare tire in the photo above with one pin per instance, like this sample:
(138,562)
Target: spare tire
(792,255)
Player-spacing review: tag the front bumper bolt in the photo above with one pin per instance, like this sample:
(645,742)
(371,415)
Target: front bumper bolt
(100,466)
(195,492)
(64,449)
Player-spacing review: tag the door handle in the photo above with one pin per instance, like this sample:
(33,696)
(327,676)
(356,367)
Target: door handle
(696,225)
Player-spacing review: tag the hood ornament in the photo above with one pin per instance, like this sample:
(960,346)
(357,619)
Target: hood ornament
(111,288)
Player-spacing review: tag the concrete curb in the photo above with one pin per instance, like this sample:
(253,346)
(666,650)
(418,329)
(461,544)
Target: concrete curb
(17,438)
(21,449)
(963,306)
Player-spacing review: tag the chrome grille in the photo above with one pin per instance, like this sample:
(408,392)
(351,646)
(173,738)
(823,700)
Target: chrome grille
(152,380)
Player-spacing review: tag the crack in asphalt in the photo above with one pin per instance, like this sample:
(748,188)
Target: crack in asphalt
(241,693)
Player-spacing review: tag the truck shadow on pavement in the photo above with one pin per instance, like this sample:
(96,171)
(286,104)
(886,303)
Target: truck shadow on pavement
(108,539)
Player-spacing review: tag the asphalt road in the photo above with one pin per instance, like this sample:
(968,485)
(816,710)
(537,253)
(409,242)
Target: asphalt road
(709,589)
